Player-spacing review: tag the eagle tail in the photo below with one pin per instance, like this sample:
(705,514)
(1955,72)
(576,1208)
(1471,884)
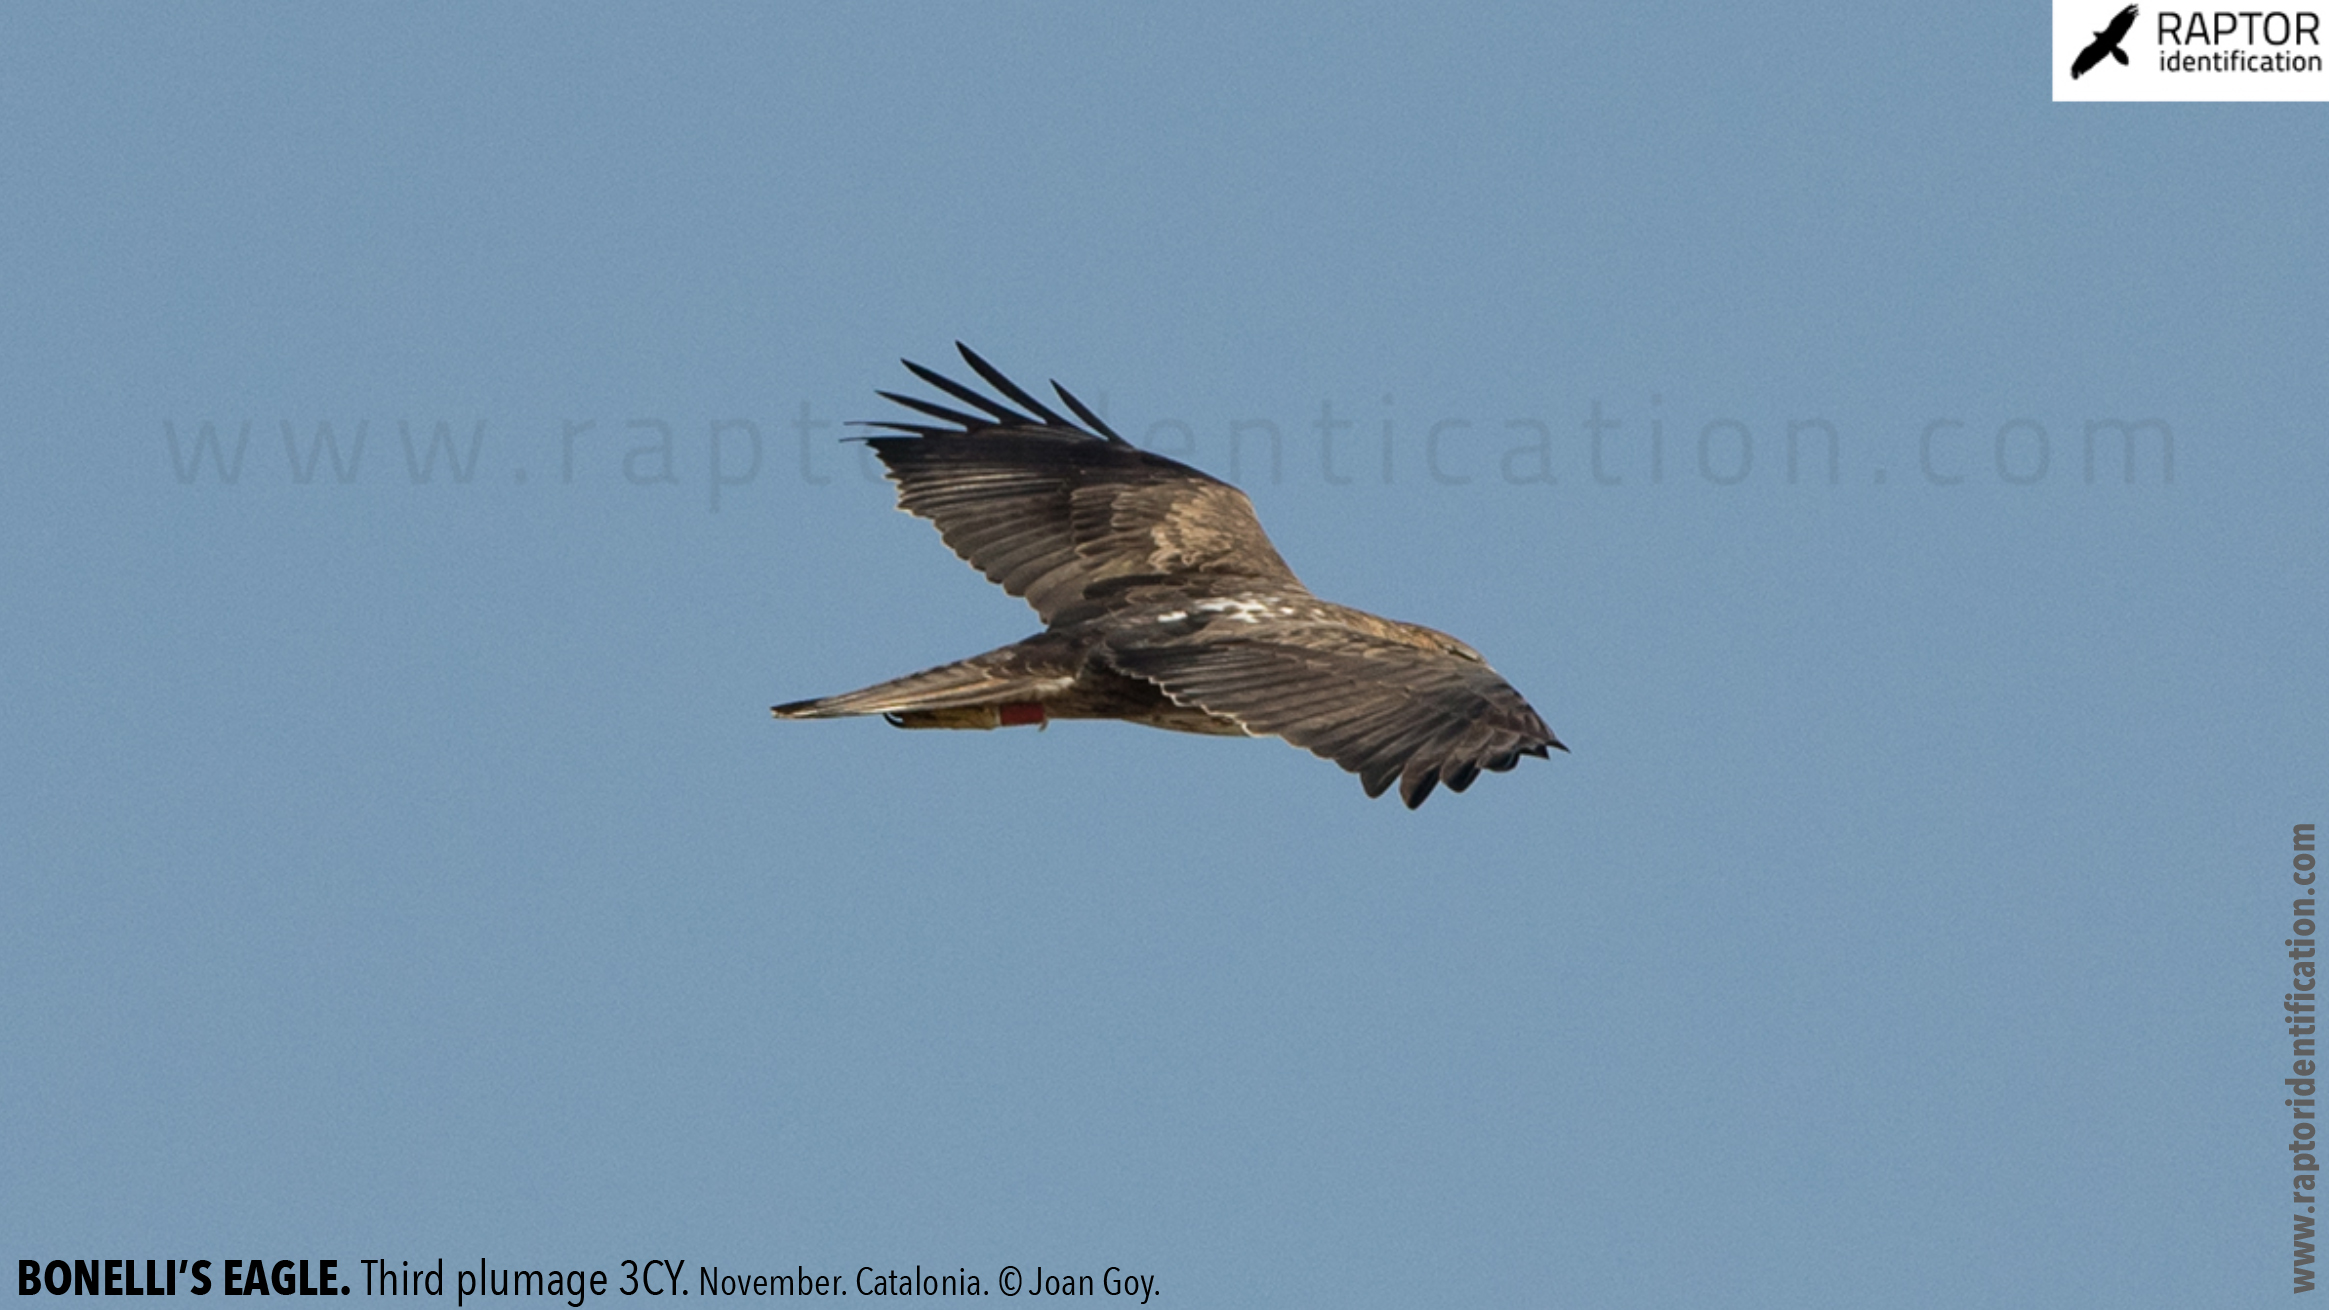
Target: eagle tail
(1001,688)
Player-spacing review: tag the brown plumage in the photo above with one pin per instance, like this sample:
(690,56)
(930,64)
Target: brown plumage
(1164,603)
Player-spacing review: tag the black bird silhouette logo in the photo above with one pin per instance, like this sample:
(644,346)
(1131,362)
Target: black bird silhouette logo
(2106,42)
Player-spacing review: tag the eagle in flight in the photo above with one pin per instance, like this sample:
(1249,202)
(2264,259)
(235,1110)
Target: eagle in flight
(2106,42)
(1165,604)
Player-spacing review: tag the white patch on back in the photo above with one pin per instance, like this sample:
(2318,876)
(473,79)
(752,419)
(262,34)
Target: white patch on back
(1245,611)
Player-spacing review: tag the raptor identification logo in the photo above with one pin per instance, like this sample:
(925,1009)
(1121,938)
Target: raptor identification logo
(2110,50)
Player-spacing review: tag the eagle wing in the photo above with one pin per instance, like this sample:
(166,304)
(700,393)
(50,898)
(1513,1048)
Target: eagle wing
(1052,511)
(1383,708)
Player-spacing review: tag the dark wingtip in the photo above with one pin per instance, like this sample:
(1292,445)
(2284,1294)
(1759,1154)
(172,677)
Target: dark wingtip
(1011,390)
(1417,789)
(1085,413)
(967,422)
(1004,414)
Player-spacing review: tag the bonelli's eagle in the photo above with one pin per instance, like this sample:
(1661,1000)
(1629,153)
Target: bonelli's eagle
(1164,603)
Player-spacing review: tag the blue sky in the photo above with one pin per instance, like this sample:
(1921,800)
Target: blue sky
(407,868)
